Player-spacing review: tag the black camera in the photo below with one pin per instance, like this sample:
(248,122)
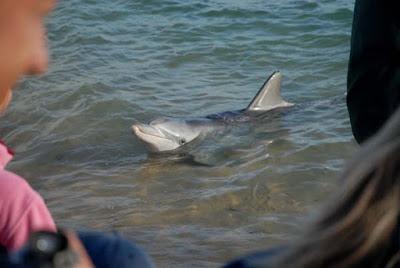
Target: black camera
(43,250)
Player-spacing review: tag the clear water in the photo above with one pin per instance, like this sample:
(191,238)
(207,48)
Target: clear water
(114,62)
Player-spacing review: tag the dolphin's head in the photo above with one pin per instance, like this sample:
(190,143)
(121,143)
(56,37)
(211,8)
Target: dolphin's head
(165,134)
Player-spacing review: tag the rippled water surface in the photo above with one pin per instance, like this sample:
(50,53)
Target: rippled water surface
(247,188)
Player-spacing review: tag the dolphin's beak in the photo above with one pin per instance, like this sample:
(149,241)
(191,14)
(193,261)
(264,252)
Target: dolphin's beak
(142,129)
(153,138)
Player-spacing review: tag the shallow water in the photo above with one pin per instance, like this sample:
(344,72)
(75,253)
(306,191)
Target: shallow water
(233,192)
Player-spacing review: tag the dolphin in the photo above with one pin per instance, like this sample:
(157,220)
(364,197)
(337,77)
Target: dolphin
(168,134)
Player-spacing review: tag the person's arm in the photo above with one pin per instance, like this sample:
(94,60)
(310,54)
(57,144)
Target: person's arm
(22,211)
(113,250)
(373,83)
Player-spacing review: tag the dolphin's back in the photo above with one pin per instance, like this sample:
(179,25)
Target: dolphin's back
(269,96)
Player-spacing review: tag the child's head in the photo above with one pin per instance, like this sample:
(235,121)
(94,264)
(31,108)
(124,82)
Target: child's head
(23,48)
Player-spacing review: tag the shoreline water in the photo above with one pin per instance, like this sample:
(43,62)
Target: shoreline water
(113,63)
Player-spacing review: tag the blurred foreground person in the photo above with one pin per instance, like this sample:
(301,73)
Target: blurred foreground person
(373,81)
(23,50)
(360,226)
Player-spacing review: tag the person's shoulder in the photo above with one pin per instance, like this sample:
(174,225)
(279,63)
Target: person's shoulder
(12,184)
(9,179)
(24,211)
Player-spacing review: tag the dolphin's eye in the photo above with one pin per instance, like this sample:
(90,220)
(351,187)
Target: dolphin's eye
(182,141)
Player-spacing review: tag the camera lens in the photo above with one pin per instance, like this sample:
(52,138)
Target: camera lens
(47,243)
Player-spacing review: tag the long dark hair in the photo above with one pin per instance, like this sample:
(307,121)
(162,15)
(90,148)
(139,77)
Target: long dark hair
(359,227)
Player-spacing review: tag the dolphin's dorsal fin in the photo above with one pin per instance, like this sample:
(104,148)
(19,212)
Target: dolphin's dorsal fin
(269,95)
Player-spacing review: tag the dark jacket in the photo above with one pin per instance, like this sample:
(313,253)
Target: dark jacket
(374,68)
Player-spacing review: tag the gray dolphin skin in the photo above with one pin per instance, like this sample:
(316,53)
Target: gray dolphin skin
(168,134)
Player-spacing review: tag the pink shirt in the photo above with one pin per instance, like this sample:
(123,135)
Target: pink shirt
(22,210)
